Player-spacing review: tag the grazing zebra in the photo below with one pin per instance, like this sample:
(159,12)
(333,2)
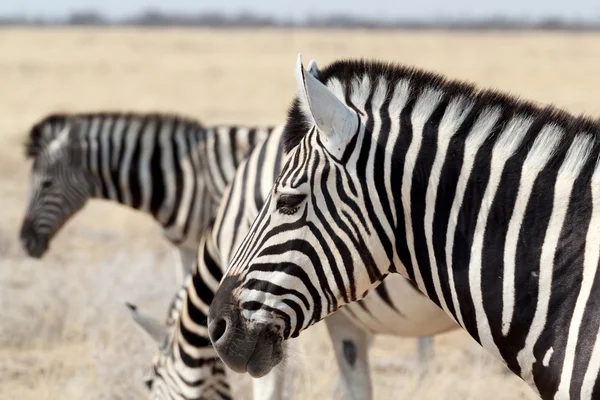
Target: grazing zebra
(490,204)
(165,165)
(205,377)
(396,308)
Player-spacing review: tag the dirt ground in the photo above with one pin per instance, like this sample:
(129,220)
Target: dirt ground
(64,330)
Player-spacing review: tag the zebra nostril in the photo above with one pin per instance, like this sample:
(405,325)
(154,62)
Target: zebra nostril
(217,329)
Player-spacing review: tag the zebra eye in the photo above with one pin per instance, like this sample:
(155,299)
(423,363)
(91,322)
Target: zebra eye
(288,204)
(47,184)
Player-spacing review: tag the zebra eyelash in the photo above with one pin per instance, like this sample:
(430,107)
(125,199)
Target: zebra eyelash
(289,204)
(288,211)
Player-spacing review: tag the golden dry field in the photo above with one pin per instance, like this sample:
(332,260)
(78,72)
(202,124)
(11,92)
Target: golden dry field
(64,330)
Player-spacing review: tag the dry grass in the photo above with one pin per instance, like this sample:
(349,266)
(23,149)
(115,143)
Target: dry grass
(64,332)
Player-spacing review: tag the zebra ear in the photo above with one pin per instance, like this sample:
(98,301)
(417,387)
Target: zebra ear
(313,68)
(150,325)
(335,120)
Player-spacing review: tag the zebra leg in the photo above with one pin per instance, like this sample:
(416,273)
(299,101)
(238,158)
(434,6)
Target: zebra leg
(185,260)
(425,354)
(271,386)
(351,345)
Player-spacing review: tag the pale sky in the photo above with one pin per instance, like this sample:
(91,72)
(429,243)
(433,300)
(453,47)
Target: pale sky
(530,9)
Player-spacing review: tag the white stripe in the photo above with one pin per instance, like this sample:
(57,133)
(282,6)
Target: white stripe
(167,167)
(481,130)
(591,260)
(455,114)
(213,166)
(201,210)
(377,198)
(504,148)
(105,136)
(398,102)
(117,137)
(188,180)
(424,107)
(569,170)
(537,158)
(130,141)
(94,130)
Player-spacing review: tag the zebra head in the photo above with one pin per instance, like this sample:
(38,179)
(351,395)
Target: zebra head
(59,184)
(312,247)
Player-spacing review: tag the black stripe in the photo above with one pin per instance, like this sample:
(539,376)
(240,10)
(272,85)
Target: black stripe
(134,180)
(157,197)
(401,146)
(233,131)
(566,285)
(467,222)
(449,176)
(418,194)
(529,249)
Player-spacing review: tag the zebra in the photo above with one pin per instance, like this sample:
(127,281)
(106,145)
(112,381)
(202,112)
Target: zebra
(396,308)
(490,204)
(166,165)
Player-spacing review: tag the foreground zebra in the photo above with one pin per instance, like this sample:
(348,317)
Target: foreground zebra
(168,166)
(175,170)
(491,205)
(183,366)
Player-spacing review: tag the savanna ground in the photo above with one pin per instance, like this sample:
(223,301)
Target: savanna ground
(64,331)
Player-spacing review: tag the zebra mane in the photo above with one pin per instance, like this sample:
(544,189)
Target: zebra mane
(39,137)
(347,71)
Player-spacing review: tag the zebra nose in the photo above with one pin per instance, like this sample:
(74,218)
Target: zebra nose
(34,243)
(217,329)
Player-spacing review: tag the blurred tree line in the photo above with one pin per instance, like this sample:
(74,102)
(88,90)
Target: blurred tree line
(155,18)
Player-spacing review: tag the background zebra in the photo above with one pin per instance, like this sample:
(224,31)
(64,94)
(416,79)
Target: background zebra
(396,308)
(490,204)
(168,166)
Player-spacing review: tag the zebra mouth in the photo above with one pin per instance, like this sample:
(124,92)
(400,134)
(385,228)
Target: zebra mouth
(36,247)
(254,350)
(243,345)
(34,243)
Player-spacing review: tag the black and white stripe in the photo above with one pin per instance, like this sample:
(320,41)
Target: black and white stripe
(168,166)
(396,308)
(490,204)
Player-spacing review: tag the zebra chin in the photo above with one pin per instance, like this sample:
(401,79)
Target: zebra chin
(243,345)
(35,244)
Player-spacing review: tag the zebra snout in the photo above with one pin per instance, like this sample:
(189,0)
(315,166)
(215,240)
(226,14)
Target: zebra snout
(245,346)
(34,243)
(231,340)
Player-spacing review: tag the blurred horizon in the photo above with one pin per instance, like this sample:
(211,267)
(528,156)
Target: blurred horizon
(285,10)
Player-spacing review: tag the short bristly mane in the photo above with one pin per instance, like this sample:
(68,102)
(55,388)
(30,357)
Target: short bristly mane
(348,70)
(37,139)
